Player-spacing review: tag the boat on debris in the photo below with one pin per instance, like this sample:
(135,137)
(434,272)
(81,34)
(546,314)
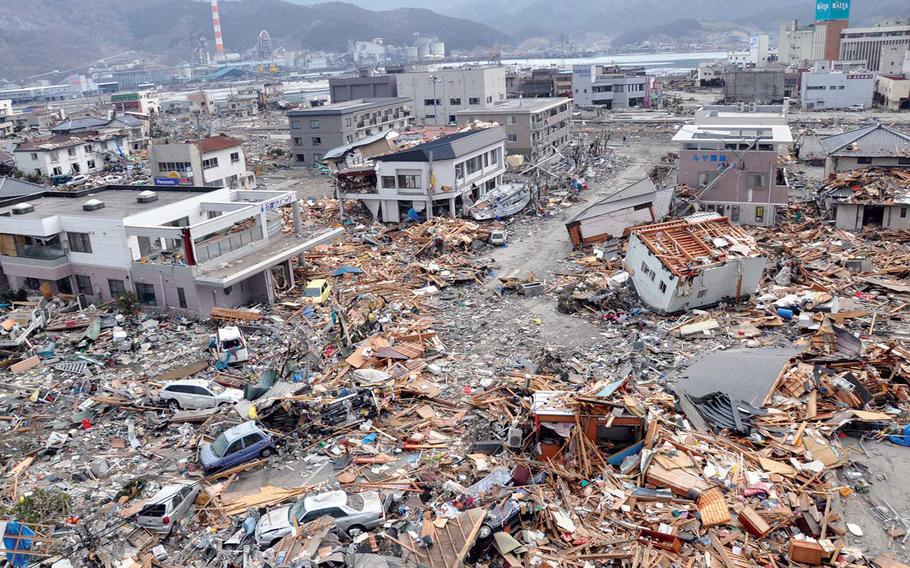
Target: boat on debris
(504,201)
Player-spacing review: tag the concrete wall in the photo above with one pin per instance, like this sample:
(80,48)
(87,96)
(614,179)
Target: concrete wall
(456,89)
(176,153)
(849,216)
(754,86)
(624,91)
(352,88)
(732,186)
(45,162)
(227,173)
(846,164)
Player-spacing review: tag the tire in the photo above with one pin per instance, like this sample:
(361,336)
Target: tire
(265,453)
(173,405)
(486,531)
(354,530)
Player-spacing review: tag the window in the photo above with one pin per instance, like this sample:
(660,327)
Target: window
(459,171)
(388,182)
(489,100)
(57,171)
(34,156)
(408,181)
(455,101)
(174,166)
(210,163)
(87,148)
(452,119)
(235,157)
(298,141)
(474,101)
(228,290)
(734,213)
(116,287)
(512,119)
(295,124)
(349,139)
(299,158)
(181,297)
(84,284)
(75,168)
(706,178)
(755,181)
(146,294)
(864,160)
(702,293)
(32,284)
(432,102)
(903,212)
(759,214)
(512,138)
(347,121)
(71,152)
(317,158)
(314,124)
(79,242)
(662,287)
(317,140)
(429,116)
(486,159)
(55,156)
(90,164)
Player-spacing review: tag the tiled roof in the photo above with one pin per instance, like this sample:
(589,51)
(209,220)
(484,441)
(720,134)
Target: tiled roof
(449,147)
(214,143)
(874,141)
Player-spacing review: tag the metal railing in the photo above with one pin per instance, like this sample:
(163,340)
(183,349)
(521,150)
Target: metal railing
(40,252)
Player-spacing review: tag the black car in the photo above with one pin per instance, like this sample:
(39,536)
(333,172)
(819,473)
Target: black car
(511,517)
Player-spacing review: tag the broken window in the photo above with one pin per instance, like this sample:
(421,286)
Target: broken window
(734,213)
(146,294)
(408,181)
(388,182)
(116,287)
(662,287)
(84,284)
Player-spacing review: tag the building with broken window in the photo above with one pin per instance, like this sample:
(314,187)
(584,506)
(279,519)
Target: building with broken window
(700,260)
(216,161)
(191,248)
(870,197)
(734,168)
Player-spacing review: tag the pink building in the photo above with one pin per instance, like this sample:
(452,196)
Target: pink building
(735,169)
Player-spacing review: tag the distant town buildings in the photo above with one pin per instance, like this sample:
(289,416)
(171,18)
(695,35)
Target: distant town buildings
(316,130)
(534,83)
(142,102)
(378,52)
(216,161)
(609,86)
(881,47)
(535,128)
(438,95)
(6,114)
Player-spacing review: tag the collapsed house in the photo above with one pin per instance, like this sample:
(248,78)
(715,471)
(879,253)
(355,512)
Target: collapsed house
(697,261)
(639,202)
(871,197)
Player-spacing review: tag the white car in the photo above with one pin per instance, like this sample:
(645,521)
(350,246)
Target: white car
(196,394)
(230,346)
(352,513)
(76,180)
(164,510)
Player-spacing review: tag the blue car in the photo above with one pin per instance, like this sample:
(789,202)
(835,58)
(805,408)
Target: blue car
(236,445)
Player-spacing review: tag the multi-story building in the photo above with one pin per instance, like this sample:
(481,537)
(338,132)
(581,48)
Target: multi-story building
(364,86)
(70,154)
(186,248)
(535,128)
(6,112)
(438,95)
(826,88)
(539,83)
(893,91)
(609,86)
(37,94)
(142,102)
(869,45)
(735,167)
(795,43)
(449,173)
(316,130)
(765,85)
(135,129)
(216,161)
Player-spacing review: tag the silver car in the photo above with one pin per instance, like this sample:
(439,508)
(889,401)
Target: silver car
(164,510)
(352,513)
(196,394)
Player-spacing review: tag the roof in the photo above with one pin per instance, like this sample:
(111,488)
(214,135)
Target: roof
(875,141)
(119,202)
(323,500)
(86,123)
(448,147)
(11,187)
(215,143)
(339,151)
(882,186)
(169,491)
(643,188)
(241,429)
(689,245)
(58,142)
(769,133)
(356,105)
(517,106)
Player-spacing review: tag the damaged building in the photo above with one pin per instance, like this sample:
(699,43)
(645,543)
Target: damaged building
(697,261)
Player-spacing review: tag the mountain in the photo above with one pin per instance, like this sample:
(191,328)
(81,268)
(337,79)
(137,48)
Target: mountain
(575,18)
(41,35)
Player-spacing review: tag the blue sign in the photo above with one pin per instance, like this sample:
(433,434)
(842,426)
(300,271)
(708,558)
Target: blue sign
(167,181)
(832,10)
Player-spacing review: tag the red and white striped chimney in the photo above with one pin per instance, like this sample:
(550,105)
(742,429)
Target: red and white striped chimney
(219,42)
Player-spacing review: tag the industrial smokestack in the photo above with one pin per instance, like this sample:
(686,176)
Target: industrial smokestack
(219,42)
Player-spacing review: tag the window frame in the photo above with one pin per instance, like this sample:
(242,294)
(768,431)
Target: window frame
(79,242)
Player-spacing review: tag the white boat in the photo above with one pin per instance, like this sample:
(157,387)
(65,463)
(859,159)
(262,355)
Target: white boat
(504,201)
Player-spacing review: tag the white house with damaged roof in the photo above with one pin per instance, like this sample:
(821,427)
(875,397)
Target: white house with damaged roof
(448,174)
(875,145)
(693,262)
(870,197)
(70,154)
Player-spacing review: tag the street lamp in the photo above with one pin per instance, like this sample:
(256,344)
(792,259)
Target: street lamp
(435,80)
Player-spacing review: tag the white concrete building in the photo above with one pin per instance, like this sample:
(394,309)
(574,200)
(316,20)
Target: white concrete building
(216,161)
(609,86)
(185,248)
(694,262)
(449,173)
(70,154)
(876,45)
(6,112)
(438,95)
(795,44)
(823,88)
